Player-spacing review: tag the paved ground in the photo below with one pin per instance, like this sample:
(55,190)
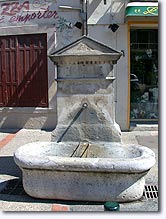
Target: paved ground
(9,172)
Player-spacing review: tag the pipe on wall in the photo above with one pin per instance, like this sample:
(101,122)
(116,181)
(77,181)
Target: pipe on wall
(85,7)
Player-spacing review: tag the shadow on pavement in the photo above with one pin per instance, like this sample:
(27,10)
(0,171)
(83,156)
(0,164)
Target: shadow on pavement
(8,166)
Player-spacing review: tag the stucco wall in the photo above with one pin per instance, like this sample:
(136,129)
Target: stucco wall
(117,40)
(30,117)
(100,16)
(20,21)
(59,34)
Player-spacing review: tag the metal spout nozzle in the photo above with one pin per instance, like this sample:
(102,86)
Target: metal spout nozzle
(85,105)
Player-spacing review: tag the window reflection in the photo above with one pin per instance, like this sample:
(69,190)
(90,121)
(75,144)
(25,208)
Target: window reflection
(144,74)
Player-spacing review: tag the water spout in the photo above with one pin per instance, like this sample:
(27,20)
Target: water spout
(84,106)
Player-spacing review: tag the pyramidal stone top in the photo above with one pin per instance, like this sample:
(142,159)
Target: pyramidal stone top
(85,49)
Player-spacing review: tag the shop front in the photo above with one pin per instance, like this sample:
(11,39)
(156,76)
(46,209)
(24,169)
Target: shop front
(142,18)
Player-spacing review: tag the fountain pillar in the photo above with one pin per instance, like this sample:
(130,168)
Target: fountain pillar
(85,92)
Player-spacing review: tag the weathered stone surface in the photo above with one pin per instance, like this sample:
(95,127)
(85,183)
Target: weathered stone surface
(90,132)
(84,186)
(85,49)
(111,171)
(93,122)
(85,76)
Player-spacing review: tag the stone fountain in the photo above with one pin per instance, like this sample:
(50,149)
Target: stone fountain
(85,95)
(86,159)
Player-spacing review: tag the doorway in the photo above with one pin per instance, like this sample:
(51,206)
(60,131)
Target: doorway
(23,71)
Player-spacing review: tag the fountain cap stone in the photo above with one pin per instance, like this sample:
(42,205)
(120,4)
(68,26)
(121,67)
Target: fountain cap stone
(85,50)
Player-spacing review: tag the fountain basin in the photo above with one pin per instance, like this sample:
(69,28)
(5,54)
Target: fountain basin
(109,172)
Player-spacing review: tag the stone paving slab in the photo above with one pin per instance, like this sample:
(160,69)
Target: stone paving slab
(14,203)
(9,170)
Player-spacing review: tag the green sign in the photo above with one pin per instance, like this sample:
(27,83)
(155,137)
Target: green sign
(142,11)
(143,1)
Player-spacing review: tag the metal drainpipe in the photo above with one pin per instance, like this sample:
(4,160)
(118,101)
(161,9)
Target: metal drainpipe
(85,28)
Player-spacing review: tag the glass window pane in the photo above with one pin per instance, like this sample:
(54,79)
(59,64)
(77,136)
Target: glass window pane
(144,74)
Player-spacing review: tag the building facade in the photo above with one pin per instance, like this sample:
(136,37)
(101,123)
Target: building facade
(30,30)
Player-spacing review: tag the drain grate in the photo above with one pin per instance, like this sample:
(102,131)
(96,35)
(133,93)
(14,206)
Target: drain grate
(150,192)
(12,187)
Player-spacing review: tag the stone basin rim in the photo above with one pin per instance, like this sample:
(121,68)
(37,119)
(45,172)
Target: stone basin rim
(138,164)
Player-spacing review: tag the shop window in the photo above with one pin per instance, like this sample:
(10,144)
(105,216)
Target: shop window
(144,74)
